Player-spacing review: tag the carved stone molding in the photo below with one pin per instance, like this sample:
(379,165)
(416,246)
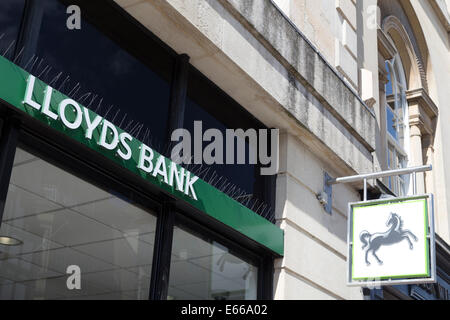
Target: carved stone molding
(386,51)
(422,111)
(385,46)
(407,51)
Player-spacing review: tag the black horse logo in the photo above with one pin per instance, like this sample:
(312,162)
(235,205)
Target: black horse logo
(395,234)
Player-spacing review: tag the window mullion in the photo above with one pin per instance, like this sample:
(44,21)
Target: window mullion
(265,279)
(29,31)
(159,284)
(8,145)
(178,94)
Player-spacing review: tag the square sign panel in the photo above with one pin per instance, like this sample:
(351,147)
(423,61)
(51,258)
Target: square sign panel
(391,241)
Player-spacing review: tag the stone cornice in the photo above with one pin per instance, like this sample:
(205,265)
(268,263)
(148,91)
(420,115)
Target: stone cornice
(298,55)
(422,110)
(416,121)
(385,46)
(421,97)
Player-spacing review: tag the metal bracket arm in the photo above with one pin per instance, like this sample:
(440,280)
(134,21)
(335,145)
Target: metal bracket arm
(329,182)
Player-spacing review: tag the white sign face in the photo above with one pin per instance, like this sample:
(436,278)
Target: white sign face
(389,240)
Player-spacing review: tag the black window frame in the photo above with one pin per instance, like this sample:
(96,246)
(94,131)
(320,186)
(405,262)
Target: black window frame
(19,130)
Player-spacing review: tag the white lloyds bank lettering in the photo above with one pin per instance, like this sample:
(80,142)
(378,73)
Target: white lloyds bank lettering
(123,138)
(109,132)
(109,138)
(179,177)
(29,94)
(62,113)
(145,159)
(189,188)
(161,169)
(91,124)
(46,104)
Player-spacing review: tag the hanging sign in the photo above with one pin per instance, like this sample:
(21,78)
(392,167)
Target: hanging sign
(391,241)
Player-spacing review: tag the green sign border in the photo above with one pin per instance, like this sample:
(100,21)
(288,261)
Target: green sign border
(423,199)
(211,201)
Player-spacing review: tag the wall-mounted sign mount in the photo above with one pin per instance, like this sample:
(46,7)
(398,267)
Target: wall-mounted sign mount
(390,241)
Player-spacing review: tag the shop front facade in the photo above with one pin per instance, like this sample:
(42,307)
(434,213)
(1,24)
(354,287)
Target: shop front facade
(87,191)
(88,187)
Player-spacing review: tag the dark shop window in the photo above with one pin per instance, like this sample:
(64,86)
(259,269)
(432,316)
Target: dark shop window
(11,12)
(110,60)
(242,175)
(216,110)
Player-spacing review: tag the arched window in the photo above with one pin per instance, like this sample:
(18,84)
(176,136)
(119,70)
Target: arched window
(397,124)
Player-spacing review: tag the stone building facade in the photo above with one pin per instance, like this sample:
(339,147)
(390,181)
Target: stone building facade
(88,106)
(318,70)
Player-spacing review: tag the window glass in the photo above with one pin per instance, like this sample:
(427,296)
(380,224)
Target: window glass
(57,221)
(242,175)
(11,12)
(389,90)
(202,269)
(397,121)
(396,100)
(391,122)
(398,184)
(401,115)
(216,110)
(138,92)
(391,164)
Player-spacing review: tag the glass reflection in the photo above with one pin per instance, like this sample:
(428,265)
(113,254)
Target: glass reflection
(11,12)
(206,270)
(63,221)
(107,73)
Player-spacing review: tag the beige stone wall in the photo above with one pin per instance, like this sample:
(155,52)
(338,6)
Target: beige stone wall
(331,25)
(314,266)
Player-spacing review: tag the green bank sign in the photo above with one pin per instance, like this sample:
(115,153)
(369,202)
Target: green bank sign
(25,92)
(107,136)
